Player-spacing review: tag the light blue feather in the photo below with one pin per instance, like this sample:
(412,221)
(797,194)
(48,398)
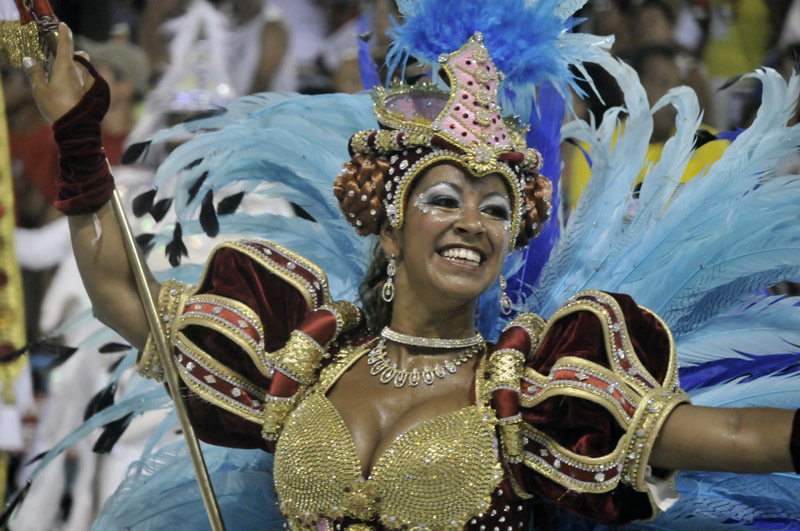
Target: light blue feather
(597,219)
(766,324)
(719,237)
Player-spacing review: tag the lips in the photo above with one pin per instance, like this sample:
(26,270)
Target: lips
(462,255)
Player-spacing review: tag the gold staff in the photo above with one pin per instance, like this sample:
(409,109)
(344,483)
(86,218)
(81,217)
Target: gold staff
(170,371)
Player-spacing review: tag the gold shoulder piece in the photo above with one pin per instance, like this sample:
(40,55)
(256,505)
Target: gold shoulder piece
(631,395)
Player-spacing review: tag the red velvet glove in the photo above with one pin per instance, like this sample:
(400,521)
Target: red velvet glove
(85,183)
(794,442)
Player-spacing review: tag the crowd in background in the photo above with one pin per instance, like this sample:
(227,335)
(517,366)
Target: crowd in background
(166,60)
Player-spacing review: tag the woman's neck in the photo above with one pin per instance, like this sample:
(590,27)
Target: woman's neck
(411,317)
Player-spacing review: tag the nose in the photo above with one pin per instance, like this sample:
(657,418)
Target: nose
(469,221)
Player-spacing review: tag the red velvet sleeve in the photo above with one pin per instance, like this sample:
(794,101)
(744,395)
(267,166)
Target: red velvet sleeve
(586,427)
(256,302)
(281,309)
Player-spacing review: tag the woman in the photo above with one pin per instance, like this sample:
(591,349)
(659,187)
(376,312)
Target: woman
(584,410)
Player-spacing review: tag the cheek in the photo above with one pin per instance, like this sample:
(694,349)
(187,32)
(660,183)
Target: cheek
(423,228)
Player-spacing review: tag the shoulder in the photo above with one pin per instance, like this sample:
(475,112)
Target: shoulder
(258,258)
(609,329)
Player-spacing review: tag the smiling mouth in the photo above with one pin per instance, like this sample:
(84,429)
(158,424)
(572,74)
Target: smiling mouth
(461,256)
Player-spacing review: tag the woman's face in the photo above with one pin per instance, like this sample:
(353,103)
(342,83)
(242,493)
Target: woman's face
(455,235)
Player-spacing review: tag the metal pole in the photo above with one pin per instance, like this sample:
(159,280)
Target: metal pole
(171,372)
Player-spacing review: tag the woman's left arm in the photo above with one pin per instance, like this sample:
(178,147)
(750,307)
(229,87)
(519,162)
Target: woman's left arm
(753,440)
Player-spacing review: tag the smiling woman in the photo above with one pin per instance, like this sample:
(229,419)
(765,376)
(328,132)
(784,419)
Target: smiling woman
(401,415)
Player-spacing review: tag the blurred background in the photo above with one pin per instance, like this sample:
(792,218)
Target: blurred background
(167,60)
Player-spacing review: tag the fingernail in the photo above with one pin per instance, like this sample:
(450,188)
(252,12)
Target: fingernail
(27,62)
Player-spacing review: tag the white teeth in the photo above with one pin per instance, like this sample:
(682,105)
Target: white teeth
(458,253)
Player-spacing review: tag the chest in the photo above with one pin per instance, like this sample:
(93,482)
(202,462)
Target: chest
(428,473)
(377,413)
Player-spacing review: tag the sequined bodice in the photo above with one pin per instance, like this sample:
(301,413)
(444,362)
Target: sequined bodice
(436,475)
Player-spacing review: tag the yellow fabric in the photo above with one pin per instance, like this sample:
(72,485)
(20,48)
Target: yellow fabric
(739,47)
(12,305)
(577,171)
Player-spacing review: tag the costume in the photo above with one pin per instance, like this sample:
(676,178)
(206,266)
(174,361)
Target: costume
(565,409)
(588,365)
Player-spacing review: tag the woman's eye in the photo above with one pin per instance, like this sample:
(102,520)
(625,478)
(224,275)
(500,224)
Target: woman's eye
(497,211)
(444,201)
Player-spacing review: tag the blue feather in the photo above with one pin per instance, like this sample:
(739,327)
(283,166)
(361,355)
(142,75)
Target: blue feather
(546,119)
(743,370)
(366,65)
(528,40)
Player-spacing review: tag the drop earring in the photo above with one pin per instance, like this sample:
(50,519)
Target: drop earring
(505,300)
(387,293)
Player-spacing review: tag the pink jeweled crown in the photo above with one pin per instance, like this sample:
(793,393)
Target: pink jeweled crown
(423,125)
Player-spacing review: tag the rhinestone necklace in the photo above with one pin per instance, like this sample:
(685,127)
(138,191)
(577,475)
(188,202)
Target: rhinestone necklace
(430,342)
(387,371)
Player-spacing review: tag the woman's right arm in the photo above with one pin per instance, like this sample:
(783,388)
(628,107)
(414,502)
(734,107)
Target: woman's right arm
(102,261)
(107,276)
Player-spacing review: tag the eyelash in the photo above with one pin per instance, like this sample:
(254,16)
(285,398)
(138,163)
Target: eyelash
(449,202)
(498,211)
(444,201)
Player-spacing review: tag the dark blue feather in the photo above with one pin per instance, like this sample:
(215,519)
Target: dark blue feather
(366,65)
(748,368)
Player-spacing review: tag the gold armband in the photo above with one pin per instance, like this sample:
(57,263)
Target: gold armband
(348,316)
(170,302)
(505,370)
(511,438)
(299,358)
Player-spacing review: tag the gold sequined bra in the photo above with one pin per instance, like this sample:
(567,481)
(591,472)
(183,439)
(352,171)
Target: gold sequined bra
(318,473)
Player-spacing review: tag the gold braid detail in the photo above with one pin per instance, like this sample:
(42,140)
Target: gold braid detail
(171,299)
(276,409)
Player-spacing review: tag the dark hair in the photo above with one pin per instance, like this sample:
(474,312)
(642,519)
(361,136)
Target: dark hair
(662,6)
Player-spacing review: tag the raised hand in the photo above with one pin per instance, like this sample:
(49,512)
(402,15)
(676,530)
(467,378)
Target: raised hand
(68,81)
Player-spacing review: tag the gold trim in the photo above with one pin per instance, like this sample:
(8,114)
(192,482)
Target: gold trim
(299,358)
(552,387)
(171,299)
(608,462)
(237,335)
(672,368)
(206,392)
(286,274)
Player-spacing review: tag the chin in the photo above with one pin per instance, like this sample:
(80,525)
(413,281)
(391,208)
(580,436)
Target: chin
(463,287)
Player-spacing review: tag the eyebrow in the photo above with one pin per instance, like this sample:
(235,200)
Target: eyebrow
(492,195)
(448,184)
